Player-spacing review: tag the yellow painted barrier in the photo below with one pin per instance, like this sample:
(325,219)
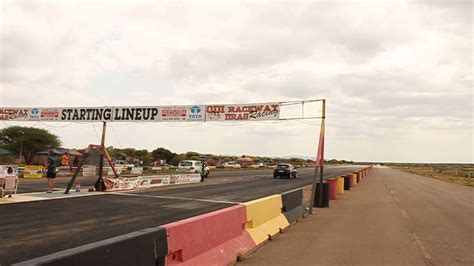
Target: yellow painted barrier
(264,218)
(340,185)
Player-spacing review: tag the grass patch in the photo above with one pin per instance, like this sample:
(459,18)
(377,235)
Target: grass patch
(453,174)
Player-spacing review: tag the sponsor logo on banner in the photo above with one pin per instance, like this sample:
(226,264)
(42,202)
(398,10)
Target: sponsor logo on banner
(35,114)
(136,171)
(127,183)
(242,112)
(86,114)
(187,178)
(173,113)
(33,171)
(136,114)
(195,113)
(14,113)
(88,170)
(49,114)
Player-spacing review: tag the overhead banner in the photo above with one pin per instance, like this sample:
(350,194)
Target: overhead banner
(243,112)
(178,113)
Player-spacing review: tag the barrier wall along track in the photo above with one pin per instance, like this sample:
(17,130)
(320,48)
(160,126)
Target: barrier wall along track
(215,238)
(325,202)
(293,208)
(353,180)
(265,218)
(332,188)
(347,182)
(340,185)
(144,247)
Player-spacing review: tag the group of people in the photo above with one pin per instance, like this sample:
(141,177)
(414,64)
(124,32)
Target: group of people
(50,167)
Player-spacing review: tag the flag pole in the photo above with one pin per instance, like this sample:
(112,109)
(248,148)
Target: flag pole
(319,163)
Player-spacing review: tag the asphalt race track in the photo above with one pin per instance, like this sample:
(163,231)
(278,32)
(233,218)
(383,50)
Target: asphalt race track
(34,229)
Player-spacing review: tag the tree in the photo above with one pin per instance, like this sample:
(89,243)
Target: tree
(144,155)
(27,141)
(177,158)
(192,155)
(163,154)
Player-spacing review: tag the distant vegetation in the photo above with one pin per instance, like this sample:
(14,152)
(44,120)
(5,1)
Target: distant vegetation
(29,140)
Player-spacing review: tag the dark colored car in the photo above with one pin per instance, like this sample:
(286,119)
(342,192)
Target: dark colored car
(285,170)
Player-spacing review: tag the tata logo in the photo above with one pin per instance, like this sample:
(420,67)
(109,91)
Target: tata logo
(34,113)
(195,109)
(195,113)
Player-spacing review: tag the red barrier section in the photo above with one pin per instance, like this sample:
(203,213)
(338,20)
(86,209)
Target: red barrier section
(215,238)
(332,189)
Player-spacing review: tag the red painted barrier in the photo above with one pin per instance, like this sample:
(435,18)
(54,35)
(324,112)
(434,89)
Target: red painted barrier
(332,188)
(215,238)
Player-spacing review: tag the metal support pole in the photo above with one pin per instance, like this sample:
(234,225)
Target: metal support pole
(100,180)
(321,168)
(73,178)
(319,164)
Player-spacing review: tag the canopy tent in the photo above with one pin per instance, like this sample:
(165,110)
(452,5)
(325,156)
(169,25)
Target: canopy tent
(53,151)
(5,152)
(73,153)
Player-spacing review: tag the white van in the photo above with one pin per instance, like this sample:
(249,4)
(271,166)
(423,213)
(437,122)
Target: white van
(193,166)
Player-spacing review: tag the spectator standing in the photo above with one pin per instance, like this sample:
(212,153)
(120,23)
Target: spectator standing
(51,171)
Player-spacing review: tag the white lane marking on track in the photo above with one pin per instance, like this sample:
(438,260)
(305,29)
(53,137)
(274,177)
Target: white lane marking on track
(404,214)
(418,242)
(396,199)
(178,198)
(425,254)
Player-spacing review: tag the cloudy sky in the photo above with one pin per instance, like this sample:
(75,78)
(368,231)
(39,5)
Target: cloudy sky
(397,75)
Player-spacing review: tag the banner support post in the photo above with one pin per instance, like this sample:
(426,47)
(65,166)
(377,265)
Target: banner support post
(319,163)
(100,179)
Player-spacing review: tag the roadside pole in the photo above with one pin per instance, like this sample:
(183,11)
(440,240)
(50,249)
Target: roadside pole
(319,163)
(101,157)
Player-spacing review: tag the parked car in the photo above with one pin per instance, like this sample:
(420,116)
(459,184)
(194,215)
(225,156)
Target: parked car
(231,164)
(193,167)
(123,164)
(285,170)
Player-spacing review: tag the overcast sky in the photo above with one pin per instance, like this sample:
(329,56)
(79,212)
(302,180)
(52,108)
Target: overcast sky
(397,75)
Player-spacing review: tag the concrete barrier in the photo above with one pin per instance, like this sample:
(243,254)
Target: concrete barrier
(347,182)
(215,238)
(325,195)
(353,180)
(340,185)
(144,247)
(264,218)
(293,208)
(357,174)
(332,188)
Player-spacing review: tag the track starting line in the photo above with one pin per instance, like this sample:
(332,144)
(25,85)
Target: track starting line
(176,198)
(37,196)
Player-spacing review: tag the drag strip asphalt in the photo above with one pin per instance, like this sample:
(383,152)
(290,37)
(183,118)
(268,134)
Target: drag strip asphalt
(34,229)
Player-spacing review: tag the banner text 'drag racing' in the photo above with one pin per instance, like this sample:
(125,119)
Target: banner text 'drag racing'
(243,112)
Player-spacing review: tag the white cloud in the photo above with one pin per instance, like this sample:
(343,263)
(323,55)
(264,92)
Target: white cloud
(393,72)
